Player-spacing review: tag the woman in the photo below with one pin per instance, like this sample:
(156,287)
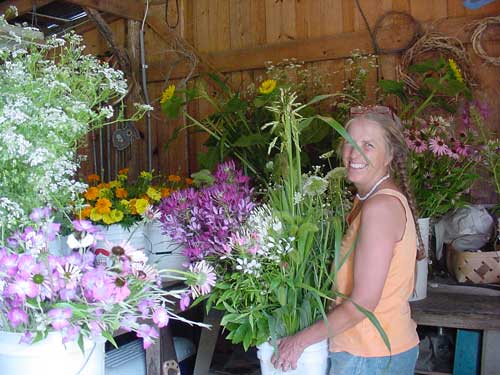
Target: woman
(379,273)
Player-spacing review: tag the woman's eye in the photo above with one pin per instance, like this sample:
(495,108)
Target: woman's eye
(369,145)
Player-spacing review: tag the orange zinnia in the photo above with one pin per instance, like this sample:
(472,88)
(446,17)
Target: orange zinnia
(121,193)
(165,192)
(85,212)
(91,194)
(189,181)
(174,178)
(123,171)
(133,209)
(103,206)
(91,178)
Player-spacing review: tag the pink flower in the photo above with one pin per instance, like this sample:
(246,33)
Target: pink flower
(22,288)
(60,317)
(438,147)
(128,322)
(17,316)
(70,334)
(121,290)
(461,148)
(205,278)
(160,317)
(148,334)
(419,146)
(185,301)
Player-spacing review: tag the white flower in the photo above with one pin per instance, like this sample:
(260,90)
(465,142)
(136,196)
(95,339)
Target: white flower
(82,243)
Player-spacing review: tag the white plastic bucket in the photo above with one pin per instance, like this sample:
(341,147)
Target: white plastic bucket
(313,361)
(116,233)
(49,356)
(422,266)
(162,251)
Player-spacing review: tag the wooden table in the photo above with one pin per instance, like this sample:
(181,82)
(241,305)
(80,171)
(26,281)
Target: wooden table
(462,308)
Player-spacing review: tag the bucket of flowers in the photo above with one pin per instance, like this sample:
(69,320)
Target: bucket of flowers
(275,259)
(119,206)
(56,310)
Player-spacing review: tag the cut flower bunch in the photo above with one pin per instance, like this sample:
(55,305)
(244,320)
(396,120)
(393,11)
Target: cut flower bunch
(277,259)
(86,293)
(124,202)
(47,107)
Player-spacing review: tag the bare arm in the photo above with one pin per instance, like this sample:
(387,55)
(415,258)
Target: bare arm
(382,225)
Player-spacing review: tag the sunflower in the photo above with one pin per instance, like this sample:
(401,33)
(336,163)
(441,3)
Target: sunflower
(267,86)
(455,70)
(167,94)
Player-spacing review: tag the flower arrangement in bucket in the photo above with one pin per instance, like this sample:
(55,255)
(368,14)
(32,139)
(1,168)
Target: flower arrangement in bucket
(52,96)
(276,261)
(86,295)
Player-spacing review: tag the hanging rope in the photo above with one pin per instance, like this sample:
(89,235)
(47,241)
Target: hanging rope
(176,12)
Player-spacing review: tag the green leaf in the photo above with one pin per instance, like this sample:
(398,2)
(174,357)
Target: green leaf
(219,82)
(426,66)
(252,140)
(108,336)
(235,104)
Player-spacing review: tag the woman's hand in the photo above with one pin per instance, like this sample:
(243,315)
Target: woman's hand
(289,351)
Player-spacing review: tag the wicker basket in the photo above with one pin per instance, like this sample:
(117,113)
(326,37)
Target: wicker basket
(475,267)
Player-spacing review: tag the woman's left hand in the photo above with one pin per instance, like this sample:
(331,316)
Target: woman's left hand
(289,351)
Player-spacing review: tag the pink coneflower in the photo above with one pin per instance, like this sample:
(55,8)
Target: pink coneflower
(461,148)
(438,147)
(205,278)
(185,301)
(419,146)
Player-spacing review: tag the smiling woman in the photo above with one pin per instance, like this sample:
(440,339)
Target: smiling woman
(378,274)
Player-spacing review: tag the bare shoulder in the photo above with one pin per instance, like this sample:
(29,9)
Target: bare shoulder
(384,213)
(384,204)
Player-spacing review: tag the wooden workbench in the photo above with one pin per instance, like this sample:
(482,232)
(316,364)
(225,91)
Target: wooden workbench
(465,308)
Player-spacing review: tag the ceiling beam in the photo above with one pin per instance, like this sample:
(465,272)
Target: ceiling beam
(23,6)
(130,9)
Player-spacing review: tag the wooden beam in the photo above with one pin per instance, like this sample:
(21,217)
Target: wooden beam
(23,6)
(131,9)
(338,46)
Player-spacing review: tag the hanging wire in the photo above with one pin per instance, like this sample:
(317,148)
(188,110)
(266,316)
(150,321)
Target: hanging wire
(177,13)
(34,18)
(145,90)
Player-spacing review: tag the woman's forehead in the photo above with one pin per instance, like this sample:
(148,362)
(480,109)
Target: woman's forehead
(366,129)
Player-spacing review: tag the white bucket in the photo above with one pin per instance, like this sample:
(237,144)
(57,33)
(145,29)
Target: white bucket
(49,356)
(116,233)
(162,251)
(422,266)
(313,361)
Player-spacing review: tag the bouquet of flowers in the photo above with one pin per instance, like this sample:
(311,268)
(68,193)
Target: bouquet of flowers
(442,165)
(275,261)
(47,107)
(86,293)
(124,202)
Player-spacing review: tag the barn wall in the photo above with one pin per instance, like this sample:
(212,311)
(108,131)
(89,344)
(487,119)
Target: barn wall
(238,36)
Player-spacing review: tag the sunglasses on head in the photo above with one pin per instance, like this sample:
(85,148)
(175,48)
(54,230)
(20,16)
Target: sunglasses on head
(380,109)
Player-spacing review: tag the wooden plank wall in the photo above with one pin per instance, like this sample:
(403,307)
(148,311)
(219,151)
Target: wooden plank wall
(222,30)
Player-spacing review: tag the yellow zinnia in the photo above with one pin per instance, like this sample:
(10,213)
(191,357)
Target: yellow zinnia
(456,70)
(132,207)
(94,215)
(107,219)
(267,86)
(115,184)
(105,193)
(103,206)
(153,194)
(141,205)
(91,194)
(116,216)
(167,94)
(146,175)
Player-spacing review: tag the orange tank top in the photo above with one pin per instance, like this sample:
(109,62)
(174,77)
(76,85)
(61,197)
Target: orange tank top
(393,309)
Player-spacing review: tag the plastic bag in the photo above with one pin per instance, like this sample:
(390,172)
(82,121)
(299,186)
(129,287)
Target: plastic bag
(468,228)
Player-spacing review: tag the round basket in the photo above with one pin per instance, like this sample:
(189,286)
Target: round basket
(476,267)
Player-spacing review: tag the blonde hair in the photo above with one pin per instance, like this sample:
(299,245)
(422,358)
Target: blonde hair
(396,146)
